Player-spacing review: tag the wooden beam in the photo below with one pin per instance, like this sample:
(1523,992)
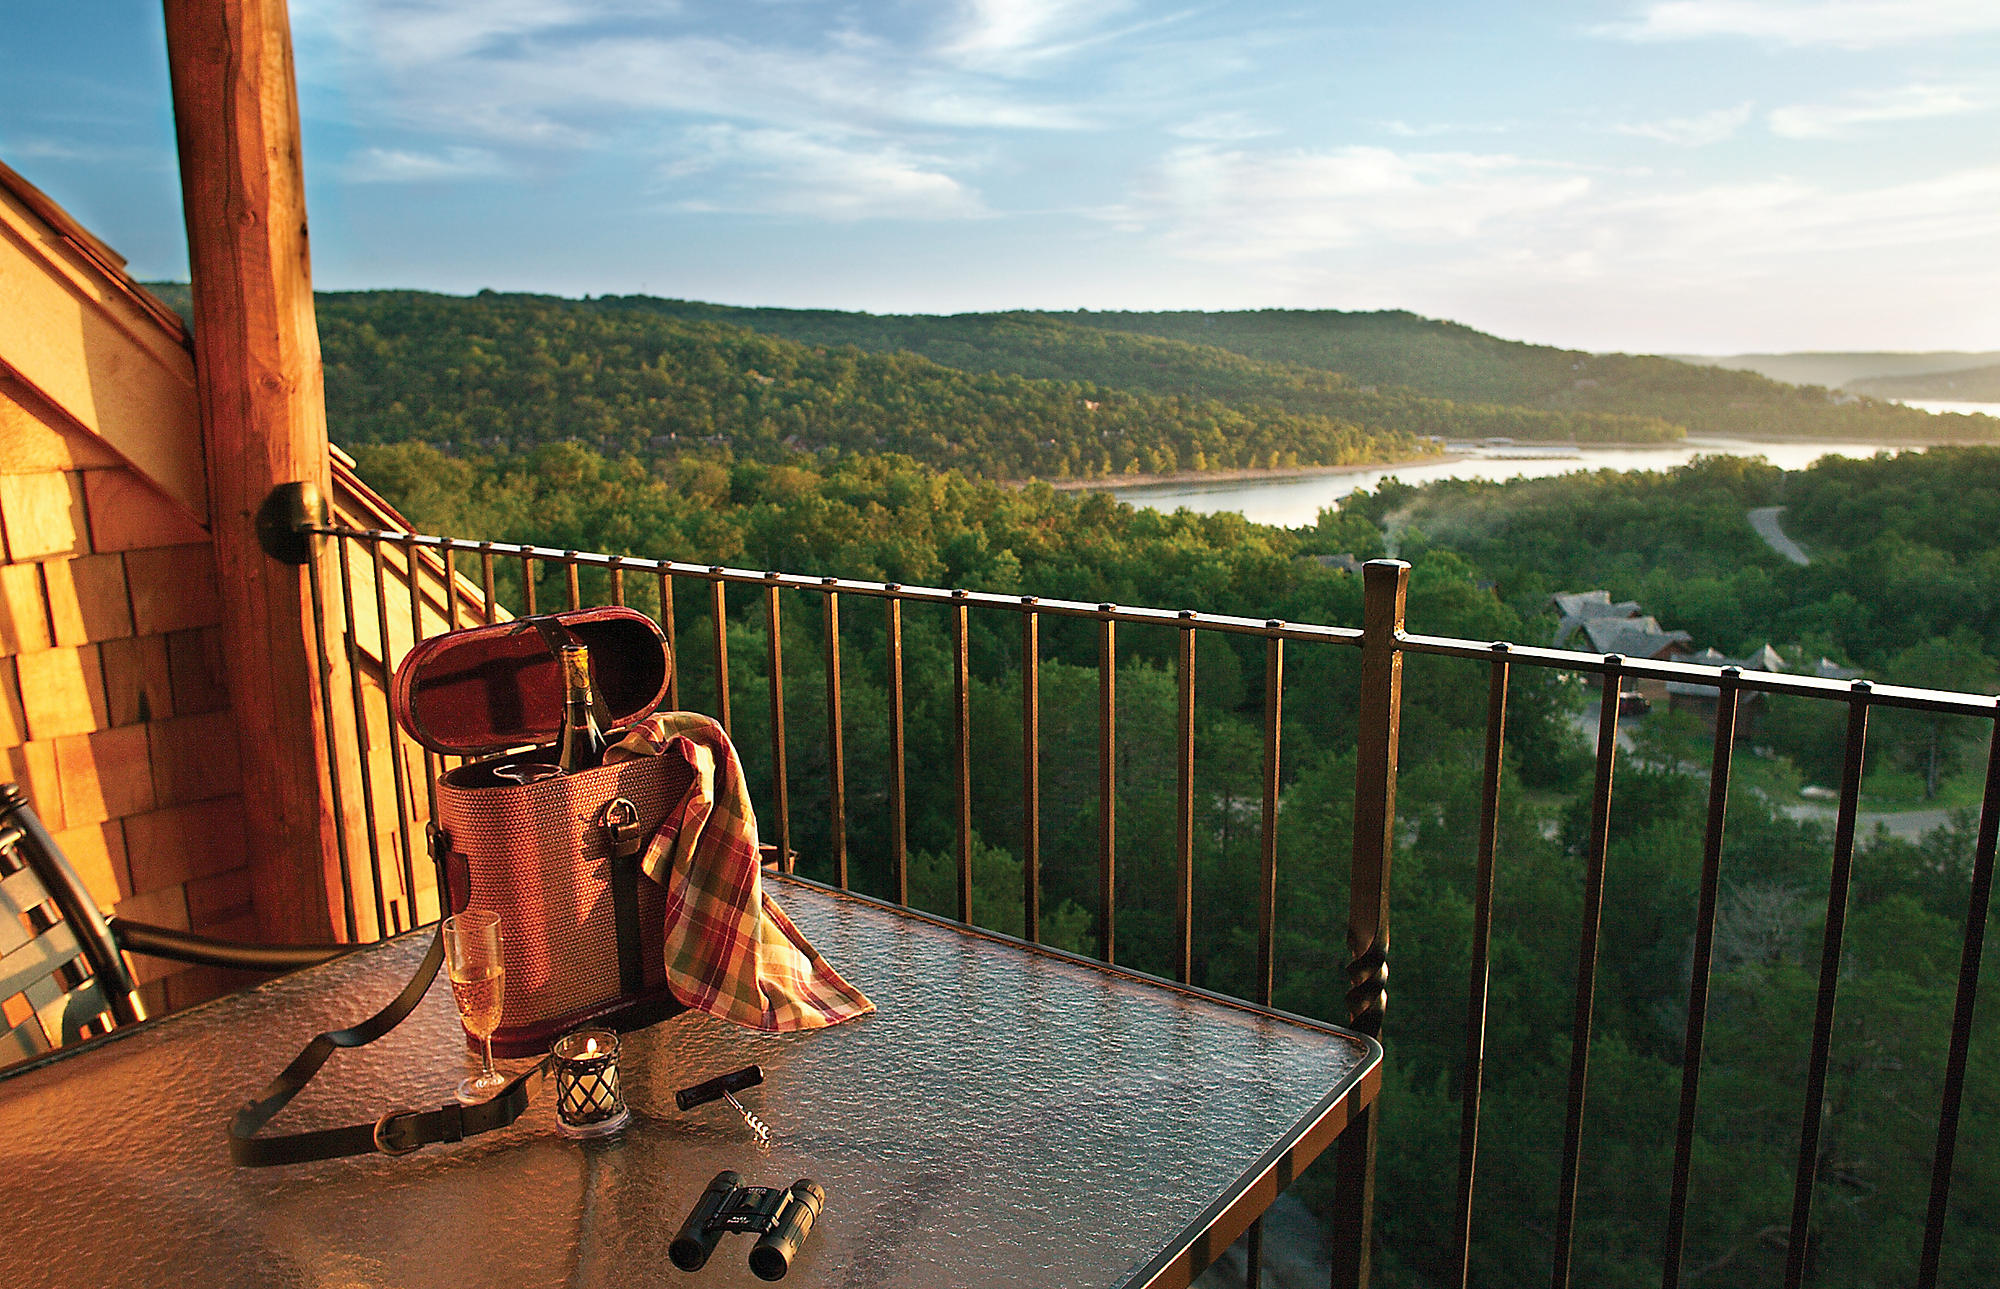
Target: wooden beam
(263,414)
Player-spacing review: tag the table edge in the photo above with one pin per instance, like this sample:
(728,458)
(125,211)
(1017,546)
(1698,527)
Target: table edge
(1217,1226)
(1081,960)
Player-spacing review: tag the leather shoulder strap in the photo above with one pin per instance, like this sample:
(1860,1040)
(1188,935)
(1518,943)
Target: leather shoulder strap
(396,1133)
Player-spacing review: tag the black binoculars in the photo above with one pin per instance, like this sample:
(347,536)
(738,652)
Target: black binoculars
(781,1218)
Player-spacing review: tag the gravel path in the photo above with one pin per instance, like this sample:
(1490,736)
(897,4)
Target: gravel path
(1765,520)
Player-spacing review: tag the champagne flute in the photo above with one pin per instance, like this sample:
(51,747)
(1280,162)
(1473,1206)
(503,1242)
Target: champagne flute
(472,959)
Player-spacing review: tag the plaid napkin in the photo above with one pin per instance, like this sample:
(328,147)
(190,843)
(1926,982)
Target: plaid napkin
(731,951)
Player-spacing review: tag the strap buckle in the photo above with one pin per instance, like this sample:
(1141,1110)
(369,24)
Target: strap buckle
(621,824)
(382,1142)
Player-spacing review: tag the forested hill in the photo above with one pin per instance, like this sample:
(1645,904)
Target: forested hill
(1015,395)
(1048,346)
(507,373)
(1447,360)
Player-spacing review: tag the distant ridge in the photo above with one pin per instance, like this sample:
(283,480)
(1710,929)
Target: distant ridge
(1396,358)
(1084,346)
(1383,365)
(1450,360)
(1848,370)
(1969,384)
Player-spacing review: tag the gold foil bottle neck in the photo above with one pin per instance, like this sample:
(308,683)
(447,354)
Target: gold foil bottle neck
(576,670)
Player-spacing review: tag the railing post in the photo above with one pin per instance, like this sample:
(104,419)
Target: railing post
(1386,587)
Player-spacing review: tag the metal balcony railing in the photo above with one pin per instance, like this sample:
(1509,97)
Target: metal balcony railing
(384,882)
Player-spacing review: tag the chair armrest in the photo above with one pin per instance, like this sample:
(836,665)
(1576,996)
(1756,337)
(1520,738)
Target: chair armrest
(206,950)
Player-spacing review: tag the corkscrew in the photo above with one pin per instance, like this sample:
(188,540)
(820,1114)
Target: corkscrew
(758,1128)
(725,1087)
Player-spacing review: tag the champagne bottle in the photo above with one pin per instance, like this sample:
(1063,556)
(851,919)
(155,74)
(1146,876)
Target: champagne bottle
(582,744)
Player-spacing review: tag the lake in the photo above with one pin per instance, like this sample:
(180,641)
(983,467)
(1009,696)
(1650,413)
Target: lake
(1951,405)
(1297,500)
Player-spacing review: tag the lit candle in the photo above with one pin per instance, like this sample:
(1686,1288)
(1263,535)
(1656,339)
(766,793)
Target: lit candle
(588,1102)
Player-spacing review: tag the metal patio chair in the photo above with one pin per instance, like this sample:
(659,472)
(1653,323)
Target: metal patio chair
(62,976)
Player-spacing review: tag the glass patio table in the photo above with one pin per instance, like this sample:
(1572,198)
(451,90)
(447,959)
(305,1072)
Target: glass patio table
(1009,1116)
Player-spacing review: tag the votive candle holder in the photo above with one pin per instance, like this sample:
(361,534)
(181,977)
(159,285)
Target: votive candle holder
(589,1101)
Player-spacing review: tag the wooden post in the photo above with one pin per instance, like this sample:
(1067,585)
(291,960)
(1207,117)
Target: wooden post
(1386,589)
(263,413)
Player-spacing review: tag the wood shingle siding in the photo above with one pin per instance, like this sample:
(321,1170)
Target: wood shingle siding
(62,691)
(88,599)
(44,514)
(138,684)
(105,775)
(98,853)
(219,897)
(194,664)
(193,758)
(13,723)
(128,514)
(24,614)
(173,589)
(33,766)
(131,759)
(115,707)
(167,847)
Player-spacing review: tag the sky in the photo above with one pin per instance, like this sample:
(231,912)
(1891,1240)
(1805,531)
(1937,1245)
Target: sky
(1678,176)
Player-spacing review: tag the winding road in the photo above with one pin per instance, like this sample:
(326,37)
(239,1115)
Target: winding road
(1765,520)
(1906,824)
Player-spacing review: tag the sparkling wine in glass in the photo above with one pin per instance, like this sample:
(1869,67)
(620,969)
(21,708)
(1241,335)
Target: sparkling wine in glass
(478,975)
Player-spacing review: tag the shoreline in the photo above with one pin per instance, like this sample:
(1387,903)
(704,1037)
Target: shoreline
(1248,473)
(1886,445)
(1115,482)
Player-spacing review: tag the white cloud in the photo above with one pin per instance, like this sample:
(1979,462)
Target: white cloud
(420,33)
(124,155)
(782,111)
(1405,130)
(1692,131)
(1853,24)
(1647,265)
(1015,37)
(726,78)
(989,31)
(1236,205)
(529,75)
(1836,120)
(397,165)
(790,172)
(1222,127)
(1374,224)
(1773,221)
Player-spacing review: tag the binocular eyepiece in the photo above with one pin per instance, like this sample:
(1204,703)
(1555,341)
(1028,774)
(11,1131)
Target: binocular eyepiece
(771,1257)
(695,1241)
(781,1218)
